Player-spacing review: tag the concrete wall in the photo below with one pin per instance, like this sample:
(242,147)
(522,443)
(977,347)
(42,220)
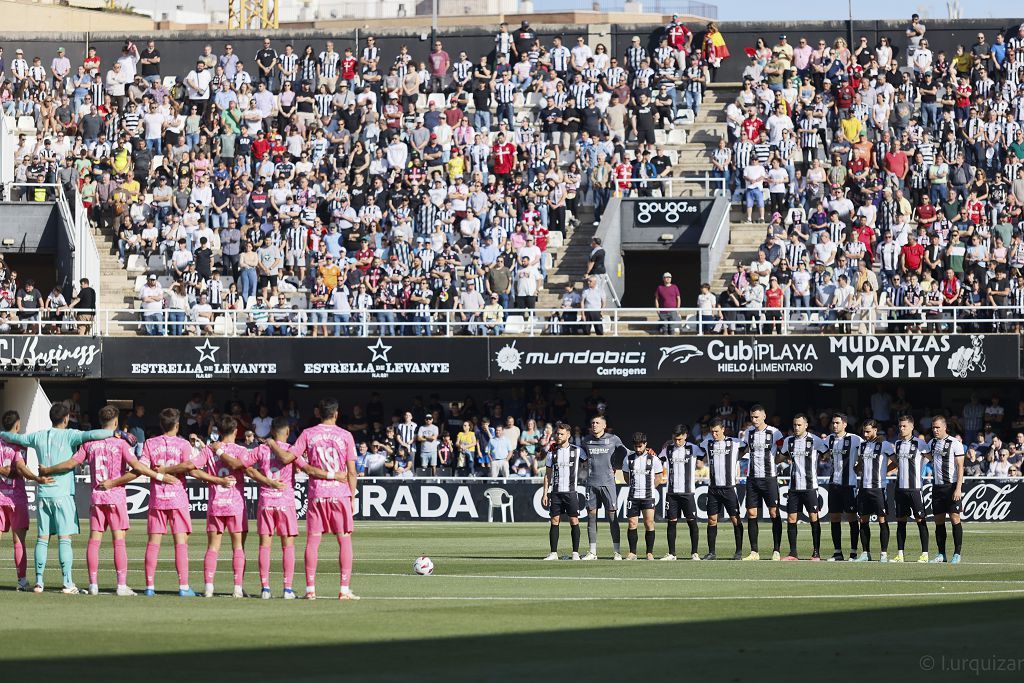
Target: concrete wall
(26,395)
(34,226)
(28,16)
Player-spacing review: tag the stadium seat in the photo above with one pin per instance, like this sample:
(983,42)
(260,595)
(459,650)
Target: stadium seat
(556,239)
(437,99)
(499,499)
(137,264)
(567,157)
(677,137)
(169,81)
(26,123)
(685,117)
(532,100)
(11,122)
(659,136)
(421,101)
(515,324)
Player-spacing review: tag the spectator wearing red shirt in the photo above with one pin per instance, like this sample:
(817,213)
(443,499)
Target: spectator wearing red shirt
(911,256)
(439,62)
(774,297)
(866,236)
(348,68)
(752,126)
(504,154)
(897,164)
(925,214)
(668,301)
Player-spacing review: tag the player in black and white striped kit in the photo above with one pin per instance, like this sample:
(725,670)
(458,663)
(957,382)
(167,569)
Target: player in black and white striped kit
(842,492)
(642,470)
(874,459)
(723,455)
(802,451)
(561,477)
(909,452)
(680,460)
(762,442)
(947,455)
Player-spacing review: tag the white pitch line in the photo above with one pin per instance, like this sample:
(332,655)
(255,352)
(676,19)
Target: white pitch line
(710,579)
(694,598)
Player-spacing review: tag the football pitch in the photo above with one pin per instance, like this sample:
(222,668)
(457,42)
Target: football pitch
(493,611)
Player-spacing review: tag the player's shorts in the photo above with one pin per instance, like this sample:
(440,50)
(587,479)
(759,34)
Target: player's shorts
(14,517)
(684,503)
(909,503)
(942,500)
(841,498)
(277,522)
(802,499)
(723,497)
(635,505)
(872,502)
(168,521)
(602,495)
(232,524)
(564,504)
(329,516)
(113,516)
(57,516)
(762,490)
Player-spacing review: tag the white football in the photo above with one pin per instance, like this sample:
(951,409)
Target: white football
(423,566)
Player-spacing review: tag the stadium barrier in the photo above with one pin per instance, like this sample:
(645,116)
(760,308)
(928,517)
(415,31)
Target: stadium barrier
(467,500)
(973,357)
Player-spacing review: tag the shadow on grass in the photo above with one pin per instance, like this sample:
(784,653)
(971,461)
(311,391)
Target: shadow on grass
(820,645)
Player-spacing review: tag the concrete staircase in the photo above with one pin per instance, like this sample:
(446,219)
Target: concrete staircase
(117,290)
(569,261)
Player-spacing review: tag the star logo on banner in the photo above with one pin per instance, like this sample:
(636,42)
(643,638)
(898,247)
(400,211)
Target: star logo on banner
(380,351)
(206,352)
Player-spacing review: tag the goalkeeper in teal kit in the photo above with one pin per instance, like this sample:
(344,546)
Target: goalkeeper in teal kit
(58,515)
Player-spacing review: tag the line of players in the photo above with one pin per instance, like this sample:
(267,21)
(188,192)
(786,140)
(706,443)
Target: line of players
(862,465)
(325,452)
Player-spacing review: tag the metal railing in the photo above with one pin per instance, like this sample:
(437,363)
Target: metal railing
(529,322)
(666,187)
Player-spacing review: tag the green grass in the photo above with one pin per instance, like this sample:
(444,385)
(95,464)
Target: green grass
(494,612)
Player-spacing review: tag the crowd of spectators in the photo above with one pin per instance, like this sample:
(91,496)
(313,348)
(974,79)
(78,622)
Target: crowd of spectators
(371,191)
(893,178)
(25,308)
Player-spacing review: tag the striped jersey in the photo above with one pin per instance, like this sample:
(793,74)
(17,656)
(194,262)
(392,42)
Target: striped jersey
(803,452)
(681,463)
(944,453)
(844,457)
(723,459)
(643,469)
(564,465)
(909,454)
(329,62)
(874,463)
(406,432)
(762,446)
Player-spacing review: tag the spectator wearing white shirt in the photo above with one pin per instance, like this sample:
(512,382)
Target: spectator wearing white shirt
(592,303)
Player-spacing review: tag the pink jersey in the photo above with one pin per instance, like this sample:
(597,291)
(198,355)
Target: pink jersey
(272,468)
(167,451)
(108,459)
(12,487)
(226,500)
(329,448)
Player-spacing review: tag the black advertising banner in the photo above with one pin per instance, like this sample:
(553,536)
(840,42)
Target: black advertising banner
(769,357)
(581,358)
(519,500)
(407,359)
(667,213)
(50,355)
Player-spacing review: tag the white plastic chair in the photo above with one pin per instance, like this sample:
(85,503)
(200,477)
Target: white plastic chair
(499,499)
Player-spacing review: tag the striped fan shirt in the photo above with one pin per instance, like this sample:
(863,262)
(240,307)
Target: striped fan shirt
(329,62)
(909,454)
(560,57)
(406,432)
(289,62)
(504,92)
(874,463)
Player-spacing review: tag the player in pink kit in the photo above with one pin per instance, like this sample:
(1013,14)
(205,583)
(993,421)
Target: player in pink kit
(276,514)
(110,464)
(170,458)
(223,466)
(13,499)
(331,449)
